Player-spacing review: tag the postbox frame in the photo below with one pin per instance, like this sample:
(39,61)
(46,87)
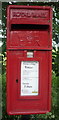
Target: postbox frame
(13,52)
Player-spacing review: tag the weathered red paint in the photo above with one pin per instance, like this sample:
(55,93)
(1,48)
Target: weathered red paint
(29,28)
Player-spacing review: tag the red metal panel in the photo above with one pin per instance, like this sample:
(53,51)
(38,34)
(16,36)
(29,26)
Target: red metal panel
(30,39)
(29,29)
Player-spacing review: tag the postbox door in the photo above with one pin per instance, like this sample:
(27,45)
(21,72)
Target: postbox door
(22,96)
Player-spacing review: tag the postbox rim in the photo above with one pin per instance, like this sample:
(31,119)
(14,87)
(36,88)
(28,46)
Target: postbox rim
(27,7)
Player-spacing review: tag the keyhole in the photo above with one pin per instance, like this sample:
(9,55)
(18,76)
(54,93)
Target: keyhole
(16,80)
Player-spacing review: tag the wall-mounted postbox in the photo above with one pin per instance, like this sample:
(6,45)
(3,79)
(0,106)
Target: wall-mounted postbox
(29,58)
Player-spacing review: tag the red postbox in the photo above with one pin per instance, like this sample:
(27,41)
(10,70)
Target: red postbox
(29,59)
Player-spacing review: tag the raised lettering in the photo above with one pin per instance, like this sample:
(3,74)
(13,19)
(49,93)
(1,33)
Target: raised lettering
(29,13)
